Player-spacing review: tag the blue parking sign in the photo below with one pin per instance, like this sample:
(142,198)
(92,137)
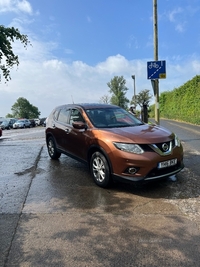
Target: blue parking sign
(156,70)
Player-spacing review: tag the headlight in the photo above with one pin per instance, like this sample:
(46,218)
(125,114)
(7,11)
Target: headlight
(177,141)
(132,148)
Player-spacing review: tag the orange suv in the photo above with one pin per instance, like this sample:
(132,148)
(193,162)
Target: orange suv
(113,143)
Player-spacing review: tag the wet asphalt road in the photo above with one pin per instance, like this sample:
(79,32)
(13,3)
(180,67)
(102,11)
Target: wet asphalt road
(52,214)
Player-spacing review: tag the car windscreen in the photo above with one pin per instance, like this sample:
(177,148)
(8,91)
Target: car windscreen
(111,118)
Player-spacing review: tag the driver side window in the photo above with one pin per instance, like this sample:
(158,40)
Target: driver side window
(75,116)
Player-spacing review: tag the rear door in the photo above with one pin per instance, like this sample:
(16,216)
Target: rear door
(60,123)
(76,139)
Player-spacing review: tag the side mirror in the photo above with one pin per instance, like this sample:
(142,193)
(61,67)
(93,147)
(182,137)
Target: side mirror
(79,125)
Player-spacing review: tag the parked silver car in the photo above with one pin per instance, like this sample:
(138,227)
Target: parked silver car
(22,123)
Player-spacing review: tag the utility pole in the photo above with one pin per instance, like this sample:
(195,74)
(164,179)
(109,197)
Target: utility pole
(156,81)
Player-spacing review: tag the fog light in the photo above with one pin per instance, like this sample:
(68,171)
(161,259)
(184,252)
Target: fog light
(132,170)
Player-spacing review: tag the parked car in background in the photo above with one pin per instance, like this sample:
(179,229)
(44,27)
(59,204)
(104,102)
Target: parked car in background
(5,125)
(0,132)
(32,121)
(22,123)
(37,122)
(43,121)
(113,143)
(11,121)
(2,119)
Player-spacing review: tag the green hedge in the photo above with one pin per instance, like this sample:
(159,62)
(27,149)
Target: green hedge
(182,103)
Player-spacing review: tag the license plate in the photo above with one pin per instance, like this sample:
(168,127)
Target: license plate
(167,163)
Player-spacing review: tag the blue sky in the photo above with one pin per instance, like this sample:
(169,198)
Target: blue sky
(79,46)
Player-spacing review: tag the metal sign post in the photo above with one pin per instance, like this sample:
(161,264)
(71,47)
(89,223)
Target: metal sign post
(155,85)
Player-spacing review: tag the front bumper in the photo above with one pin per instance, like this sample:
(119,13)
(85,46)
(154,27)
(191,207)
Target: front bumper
(152,175)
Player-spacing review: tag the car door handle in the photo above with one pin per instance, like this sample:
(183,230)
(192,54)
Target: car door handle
(67,130)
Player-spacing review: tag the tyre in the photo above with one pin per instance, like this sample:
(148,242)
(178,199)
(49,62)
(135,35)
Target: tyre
(52,150)
(100,170)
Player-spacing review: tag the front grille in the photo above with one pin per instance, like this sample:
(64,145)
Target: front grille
(146,148)
(149,148)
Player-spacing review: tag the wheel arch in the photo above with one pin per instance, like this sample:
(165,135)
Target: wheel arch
(56,152)
(94,149)
(50,135)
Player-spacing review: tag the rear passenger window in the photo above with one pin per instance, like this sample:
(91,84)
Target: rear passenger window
(56,114)
(63,116)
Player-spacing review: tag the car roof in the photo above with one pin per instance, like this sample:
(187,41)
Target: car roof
(88,106)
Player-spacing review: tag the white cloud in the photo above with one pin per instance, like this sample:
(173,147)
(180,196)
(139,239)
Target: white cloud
(24,6)
(173,17)
(133,42)
(180,27)
(15,6)
(68,51)
(173,13)
(114,65)
(196,66)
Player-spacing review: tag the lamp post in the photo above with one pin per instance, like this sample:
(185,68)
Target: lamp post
(133,77)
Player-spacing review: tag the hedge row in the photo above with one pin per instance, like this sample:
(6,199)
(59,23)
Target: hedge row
(182,103)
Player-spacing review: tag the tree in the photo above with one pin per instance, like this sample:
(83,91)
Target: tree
(23,109)
(105,99)
(7,36)
(118,91)
(143,98)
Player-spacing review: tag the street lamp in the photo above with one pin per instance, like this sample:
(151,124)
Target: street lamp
(133,77)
